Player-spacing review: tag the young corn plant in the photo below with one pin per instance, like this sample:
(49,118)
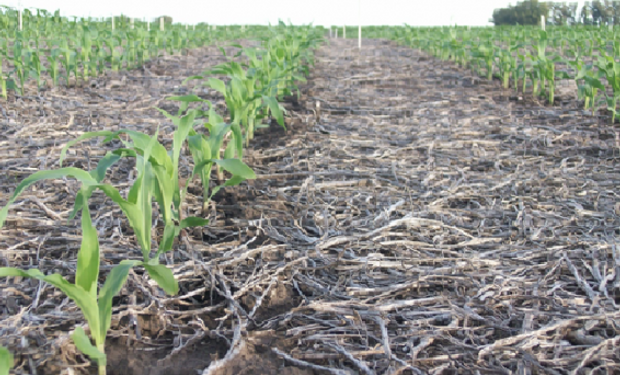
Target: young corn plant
(485,54)
(588,90)
(3,80)
(206,149)
(53,59)
(505,65)
(244,100)
(95,303)
(157,180)
(611,70)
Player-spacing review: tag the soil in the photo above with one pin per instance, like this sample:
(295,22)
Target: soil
(419,221)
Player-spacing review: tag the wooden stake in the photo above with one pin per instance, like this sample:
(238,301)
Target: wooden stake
(359,31)
(19,13)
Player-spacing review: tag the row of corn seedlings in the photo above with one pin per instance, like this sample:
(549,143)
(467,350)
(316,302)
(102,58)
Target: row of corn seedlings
(48,45)
(253,88)
(269,74)
(524,57)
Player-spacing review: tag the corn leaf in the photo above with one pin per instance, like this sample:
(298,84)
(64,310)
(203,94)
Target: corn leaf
(163,276)
(193,221)
(113,284)
(218,85)
(274,106)
(82,299)
(88,135)
(233,181)
(88,260)
(134,215)
(76,173)
(6,361)
(236,167)
(191,78)
(82,342)
(165,244)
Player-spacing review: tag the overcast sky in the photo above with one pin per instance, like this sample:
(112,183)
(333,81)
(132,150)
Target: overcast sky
(319,12)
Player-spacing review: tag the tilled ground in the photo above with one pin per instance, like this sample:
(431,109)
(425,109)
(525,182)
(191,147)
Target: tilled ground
(420,221)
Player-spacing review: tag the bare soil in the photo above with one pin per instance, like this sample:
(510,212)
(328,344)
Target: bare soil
(420,221)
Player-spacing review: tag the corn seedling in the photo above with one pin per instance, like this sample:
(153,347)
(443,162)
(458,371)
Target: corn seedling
(611,70)
(206,149)
(96,305)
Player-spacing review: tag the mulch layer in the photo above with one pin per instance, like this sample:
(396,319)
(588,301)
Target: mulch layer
(414,219)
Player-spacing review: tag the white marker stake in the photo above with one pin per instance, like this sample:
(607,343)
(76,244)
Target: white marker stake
(161,23)
(112,22)
(359,31)
(542,22)
(336,33)
(132,23)
(344,32)
(148,26)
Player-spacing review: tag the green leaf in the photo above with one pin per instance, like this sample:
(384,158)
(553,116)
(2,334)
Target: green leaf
(112,286)
(188,99)
(163,191)
(84,136)
(191,78)
(193,221)
(82,342)
(594,82)
(82,299)
(6,361)
(275,109)
(167,240)
(229,152)
(76,173)
(87,271)
(233,181)
(218,85)
(133,213)
(104,164)
(163,276)
(236,167)
(238,139)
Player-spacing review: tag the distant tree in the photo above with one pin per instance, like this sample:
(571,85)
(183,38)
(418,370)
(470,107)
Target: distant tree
(585,15)
(527,12)
(599,12)
(615,12)
(563,13)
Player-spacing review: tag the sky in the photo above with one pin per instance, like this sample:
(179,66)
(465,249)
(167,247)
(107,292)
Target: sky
(318,12)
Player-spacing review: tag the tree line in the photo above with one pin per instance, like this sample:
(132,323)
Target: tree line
(528,12)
